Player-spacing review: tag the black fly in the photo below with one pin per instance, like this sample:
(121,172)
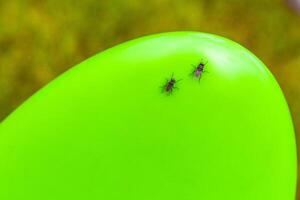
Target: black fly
(198,71)
(170,85)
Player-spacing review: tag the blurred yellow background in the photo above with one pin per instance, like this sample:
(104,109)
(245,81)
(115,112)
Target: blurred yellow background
(41,39)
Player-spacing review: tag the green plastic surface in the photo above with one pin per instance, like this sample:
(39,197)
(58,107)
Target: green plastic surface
(105,130)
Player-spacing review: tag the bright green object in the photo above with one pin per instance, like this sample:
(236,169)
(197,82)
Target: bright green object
(105,130)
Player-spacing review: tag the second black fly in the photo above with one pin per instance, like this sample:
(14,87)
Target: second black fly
(198,71)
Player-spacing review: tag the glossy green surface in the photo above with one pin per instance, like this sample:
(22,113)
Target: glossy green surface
(104,130)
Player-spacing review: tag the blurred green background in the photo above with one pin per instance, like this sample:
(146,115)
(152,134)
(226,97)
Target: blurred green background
(41,39)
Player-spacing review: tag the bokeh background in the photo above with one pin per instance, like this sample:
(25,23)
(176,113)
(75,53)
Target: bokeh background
(40,39)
